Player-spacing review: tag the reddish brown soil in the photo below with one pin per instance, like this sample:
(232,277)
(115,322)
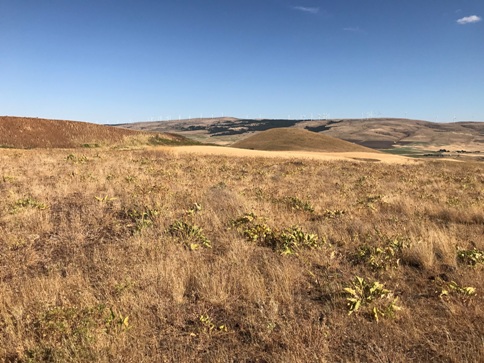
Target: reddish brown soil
(24,132)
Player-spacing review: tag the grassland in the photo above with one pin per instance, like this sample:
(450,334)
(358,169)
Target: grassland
(293,139)
(153,256)
(28,133)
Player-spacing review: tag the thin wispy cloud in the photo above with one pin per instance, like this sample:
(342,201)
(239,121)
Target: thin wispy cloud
(469,19)
(306,9)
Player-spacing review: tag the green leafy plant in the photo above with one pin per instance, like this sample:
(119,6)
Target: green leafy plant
(77,159)
(191,235)
(370,200)
(105,199)
(372,297)
(470,257)
(381,258)
(294,203)
(194,209)
(463,292)
(209,326)
(72,323)
(27,202)
(285,241)
(332,214)
(141,218)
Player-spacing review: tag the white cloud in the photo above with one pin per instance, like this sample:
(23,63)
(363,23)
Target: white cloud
(469,19)
(306,9)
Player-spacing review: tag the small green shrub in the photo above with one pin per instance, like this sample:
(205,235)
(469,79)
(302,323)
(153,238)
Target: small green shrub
(209,326)
(27,202)
(285,241)
(470,257)
(294,203)
(191,235)
(141,218)
(382,257)
(372,298)
(465,293)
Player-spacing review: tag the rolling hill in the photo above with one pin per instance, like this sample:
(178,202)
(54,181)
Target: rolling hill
(379,133)
(25,132)
(295,139)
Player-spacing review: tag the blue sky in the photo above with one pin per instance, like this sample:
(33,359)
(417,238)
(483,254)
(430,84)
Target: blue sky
(110,61)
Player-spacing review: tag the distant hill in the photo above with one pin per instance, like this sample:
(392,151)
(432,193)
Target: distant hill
(295,139)
(379,133)
(25,132)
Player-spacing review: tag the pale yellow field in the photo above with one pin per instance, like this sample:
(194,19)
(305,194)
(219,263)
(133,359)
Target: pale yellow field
(226,151)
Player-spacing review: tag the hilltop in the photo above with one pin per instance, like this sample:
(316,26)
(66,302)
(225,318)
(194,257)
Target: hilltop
(28,132)
(295,139)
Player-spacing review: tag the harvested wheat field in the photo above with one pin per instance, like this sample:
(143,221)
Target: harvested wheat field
(160,256)
(358,156)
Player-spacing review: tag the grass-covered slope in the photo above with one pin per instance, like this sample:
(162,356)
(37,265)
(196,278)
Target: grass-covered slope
(25,133)
(294,139)
(152,256)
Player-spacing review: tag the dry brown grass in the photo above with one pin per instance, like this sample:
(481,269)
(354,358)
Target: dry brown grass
(93,267)
(292,139)
(27,133)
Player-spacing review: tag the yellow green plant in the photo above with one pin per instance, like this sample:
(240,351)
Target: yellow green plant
(191,235)
(471,257)
(464,292)
(373,297)
(209,326)
(294,203)
(27,202)
(285,241)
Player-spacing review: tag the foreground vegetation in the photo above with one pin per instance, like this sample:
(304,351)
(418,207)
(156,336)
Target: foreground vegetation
(143,256)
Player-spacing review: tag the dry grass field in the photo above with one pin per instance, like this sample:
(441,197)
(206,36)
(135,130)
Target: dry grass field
(155,256)
(293,139)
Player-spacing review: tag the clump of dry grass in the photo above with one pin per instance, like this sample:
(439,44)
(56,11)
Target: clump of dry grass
(112,255)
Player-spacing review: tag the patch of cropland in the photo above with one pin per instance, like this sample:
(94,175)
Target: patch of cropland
(23,132)
(292,139)
(152,255)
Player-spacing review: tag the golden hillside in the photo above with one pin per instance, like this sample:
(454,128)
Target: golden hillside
(292,139)
(25,132)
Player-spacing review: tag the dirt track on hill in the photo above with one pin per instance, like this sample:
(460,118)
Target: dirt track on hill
(355,156)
